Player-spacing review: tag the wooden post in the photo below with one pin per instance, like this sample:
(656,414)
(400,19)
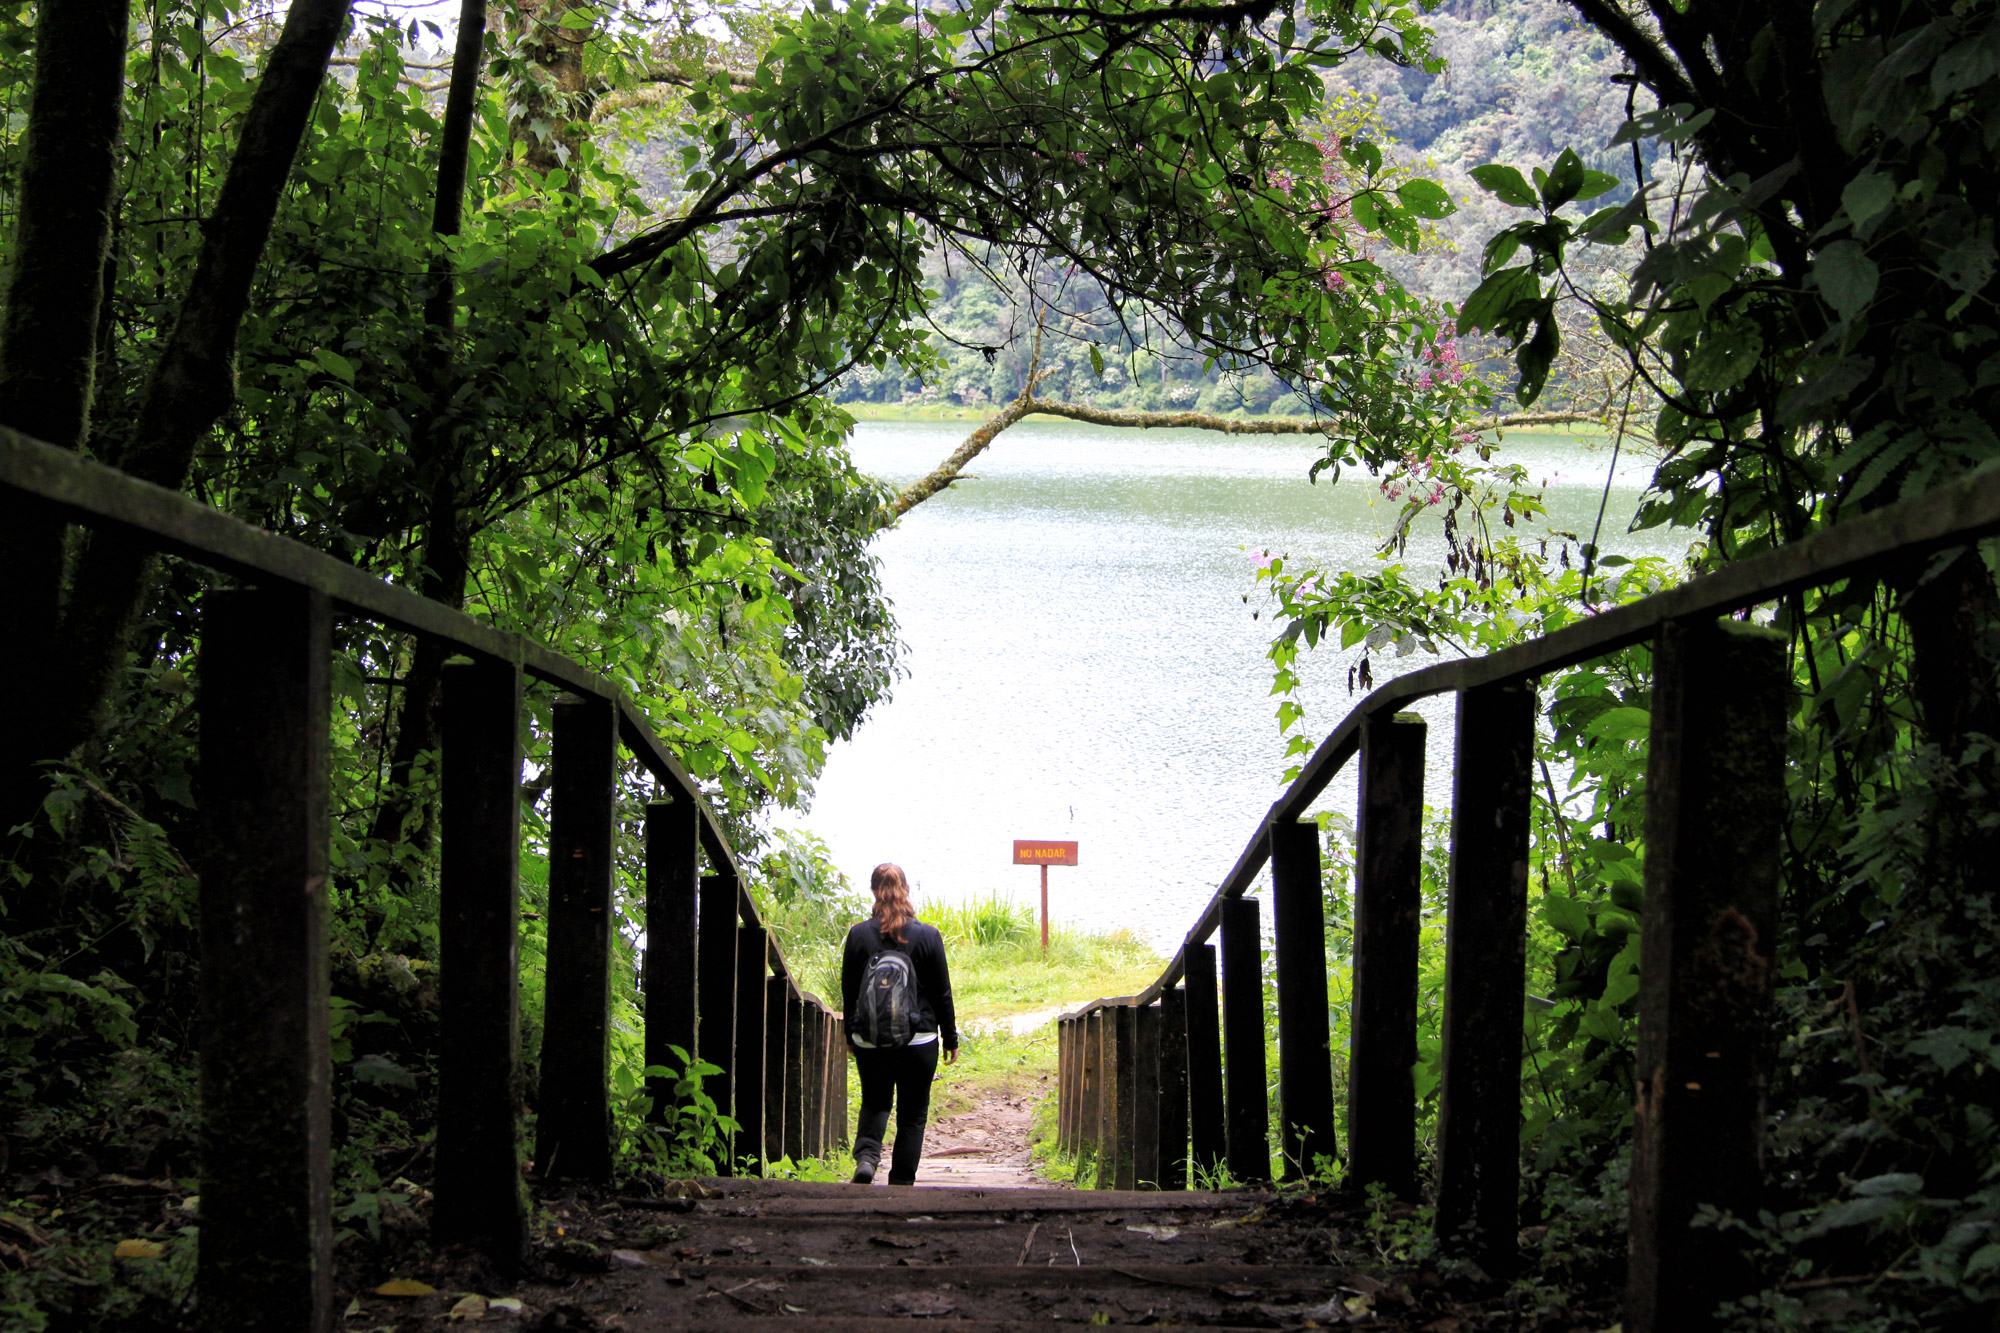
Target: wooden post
(480,1199)
(1305,1041)
(836,1083)
(573,1124)
(1126,1176)
(673,873)
(752,945)
(775,1049)
(837,1058)
(266,1258)
(795,1069)
(1065,1093)
(1388,918)
(813,1076)
(1479,1117)
(715,976)
(1079,1035)
(1173,1132)
(1045,908)
(1107,1100)
(820,1063)
(1207,1129)
(1146,1097)
(1079,1039)
(1715,806)
(1077,1028)
(829,1133)
(1248,1105)
(1092,1107)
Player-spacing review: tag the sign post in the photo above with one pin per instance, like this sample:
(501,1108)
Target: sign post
(1028,852)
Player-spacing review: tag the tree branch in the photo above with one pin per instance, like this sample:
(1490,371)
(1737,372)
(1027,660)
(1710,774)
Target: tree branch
(1655,67)
(1252,11)
(953,468)
(683,79)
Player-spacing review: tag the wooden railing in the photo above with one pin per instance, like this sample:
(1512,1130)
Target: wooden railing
(1152,1086)
(715,981)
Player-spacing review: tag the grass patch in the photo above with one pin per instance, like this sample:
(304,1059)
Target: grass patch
(998,971)
(915,412)
(998,967)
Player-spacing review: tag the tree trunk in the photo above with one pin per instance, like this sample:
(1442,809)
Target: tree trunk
(549,122)
(952,469)
(48,336)
(447,545)
(1954,621)
(194,382)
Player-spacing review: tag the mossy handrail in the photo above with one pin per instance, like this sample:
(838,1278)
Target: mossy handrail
(1140,1082)
(264,705)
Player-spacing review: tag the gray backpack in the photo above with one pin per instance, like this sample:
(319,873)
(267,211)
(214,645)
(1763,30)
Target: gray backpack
(886,1011)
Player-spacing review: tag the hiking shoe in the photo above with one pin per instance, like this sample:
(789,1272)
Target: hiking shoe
(866,1159)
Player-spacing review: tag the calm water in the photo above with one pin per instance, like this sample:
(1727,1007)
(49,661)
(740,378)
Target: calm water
(1082,663)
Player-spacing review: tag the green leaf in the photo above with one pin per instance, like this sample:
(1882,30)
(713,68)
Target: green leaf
(1866,195)
(1968,266)
(1565,915)
(1425,198)
(1965,65)
(1538,354)
(1506,184)
(1950,1047)
(1856,1212)
(1594,184)
(1564,181)
(1893,1183)
(1725,358)
(1096,361)
(1490,301)
(334,364)
(1363,154)
(1985,1259)
(1846,277)
(1621,724)
(382,1071)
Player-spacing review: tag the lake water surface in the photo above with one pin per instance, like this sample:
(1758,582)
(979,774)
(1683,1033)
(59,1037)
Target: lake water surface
(1082,663)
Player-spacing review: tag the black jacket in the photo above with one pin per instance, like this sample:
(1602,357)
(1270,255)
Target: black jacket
(926,950)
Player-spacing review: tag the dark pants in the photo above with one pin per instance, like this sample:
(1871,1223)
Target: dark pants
(901,1076)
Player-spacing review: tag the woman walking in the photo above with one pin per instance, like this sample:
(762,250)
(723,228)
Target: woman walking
(895,990)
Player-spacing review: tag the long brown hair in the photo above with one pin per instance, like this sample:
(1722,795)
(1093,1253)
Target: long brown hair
(892,900)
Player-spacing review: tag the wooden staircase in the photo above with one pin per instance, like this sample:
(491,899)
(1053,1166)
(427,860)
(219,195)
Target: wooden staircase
(754,1254)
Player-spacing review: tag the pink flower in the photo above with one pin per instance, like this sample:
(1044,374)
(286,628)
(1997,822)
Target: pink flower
(1079,158)
(1261,559)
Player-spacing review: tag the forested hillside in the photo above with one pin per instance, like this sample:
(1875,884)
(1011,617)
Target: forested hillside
(1521,83)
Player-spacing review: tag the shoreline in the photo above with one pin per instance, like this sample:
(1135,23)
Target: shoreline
(872,413)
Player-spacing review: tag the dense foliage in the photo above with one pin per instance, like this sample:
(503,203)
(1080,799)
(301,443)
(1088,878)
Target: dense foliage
(550,340)
(1802,324)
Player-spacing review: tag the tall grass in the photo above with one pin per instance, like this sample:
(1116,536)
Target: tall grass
(987,921)
(998,966)
(998,969)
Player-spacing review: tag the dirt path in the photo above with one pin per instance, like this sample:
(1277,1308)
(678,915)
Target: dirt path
(985,1145)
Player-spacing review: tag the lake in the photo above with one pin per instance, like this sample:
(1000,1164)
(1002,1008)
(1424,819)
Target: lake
(1082,663)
